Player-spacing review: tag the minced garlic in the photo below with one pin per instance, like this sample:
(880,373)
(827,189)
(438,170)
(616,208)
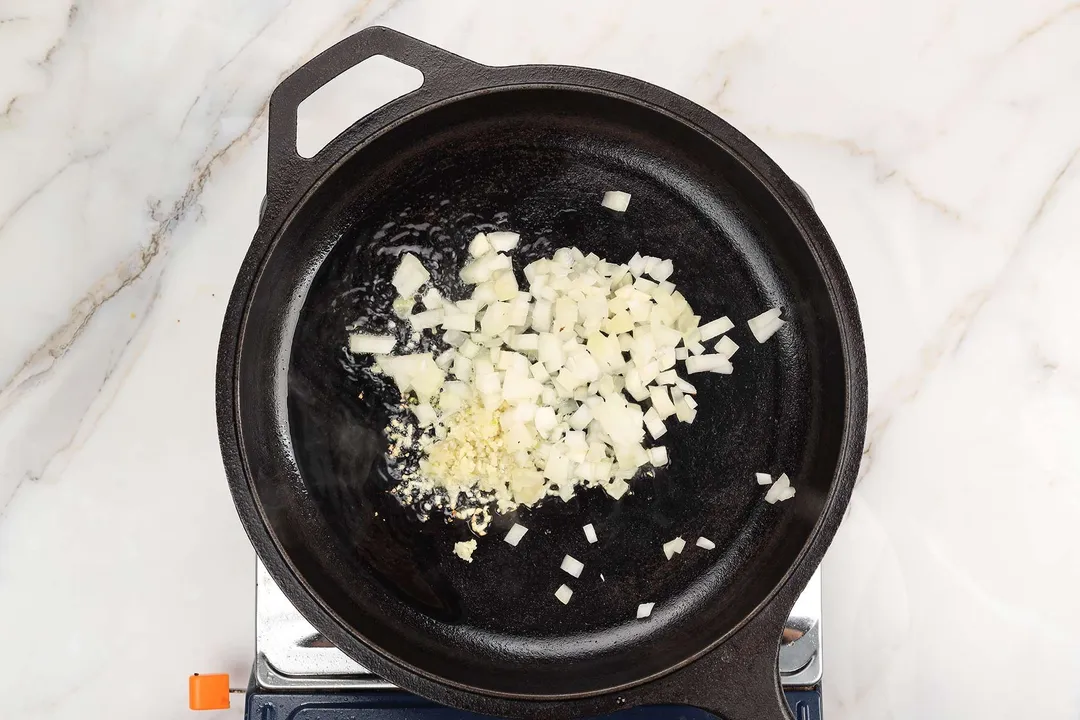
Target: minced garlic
(465,549)
(475,455)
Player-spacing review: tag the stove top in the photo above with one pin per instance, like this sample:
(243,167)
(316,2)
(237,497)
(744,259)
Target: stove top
(292,656)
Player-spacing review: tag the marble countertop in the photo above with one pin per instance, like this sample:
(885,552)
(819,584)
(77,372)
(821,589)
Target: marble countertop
(938,140)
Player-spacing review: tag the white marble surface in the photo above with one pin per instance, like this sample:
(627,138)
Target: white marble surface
(939,140)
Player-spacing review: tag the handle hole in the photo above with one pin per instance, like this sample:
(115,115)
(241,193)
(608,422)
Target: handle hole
(334,107)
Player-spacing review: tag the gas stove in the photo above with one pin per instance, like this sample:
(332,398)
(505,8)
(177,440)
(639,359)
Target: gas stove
(297,668)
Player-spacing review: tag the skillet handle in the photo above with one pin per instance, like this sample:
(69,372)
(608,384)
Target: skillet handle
(445,75)
(747,663)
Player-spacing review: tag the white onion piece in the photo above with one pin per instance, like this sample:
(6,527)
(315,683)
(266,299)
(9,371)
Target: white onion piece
(685,386)
(572,566)
(545,421)
(780,490)
(454,338)
(766,331)
(446,359)
(644,610)
(759,321)
(515,534)
(425,414)
(704,542)
(661,271)
(658,456)
(503,241)
(526,342)
(668,377)
(763,478)
(709,363)
(361,344)
(581,418)
(504,285)
(479,245)
(432,299)
(726,346)
(616,200)
(764,325)
(456,320)
(540,372)
(654,424)
(718,326)
(671,547)
(684,412)
(541,316)
(563,594)
(427,319)
(410,275)
(590,533)
(616,489)
(469,349)
(661,402)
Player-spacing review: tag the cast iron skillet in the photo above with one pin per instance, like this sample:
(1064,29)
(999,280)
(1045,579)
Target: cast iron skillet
(532,149)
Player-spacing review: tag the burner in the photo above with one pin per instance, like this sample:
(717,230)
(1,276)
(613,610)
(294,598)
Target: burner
(295,664)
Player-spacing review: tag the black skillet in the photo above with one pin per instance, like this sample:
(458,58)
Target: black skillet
(532,149)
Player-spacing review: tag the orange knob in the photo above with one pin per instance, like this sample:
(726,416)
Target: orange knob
(208,692)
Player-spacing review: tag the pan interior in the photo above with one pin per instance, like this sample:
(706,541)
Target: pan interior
(537,160)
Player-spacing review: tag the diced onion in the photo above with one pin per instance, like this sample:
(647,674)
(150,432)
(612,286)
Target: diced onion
(479,245)
(410,275)
(780,490)
(644,610)
(661,271)
(654,424)
(718,326)
(763,478)
(763,326)
(685,386)
(572,566)
(709,363)
(661,402)
(425,414)
(726,346)
(765,332)
(671,547)
(668,377)
(360,344)
(616,200)
(590,533)
(658,456)
(554,384)
(432,299)
(704,542)
(426,319)
(563,594)
(503,241)
(514,535)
